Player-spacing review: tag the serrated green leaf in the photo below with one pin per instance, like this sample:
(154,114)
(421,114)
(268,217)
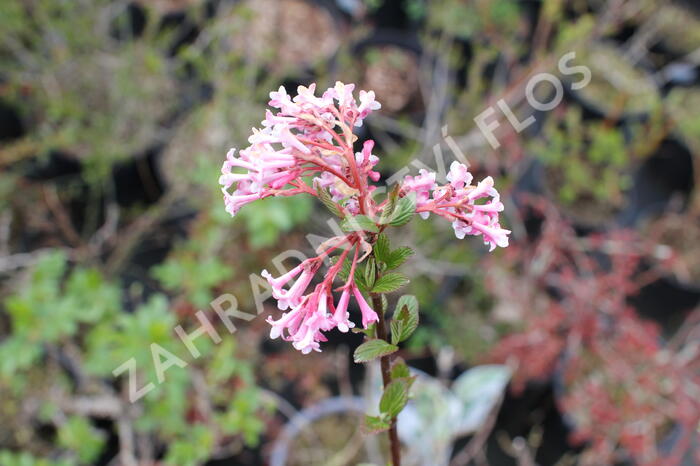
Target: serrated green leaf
(370,272)
(373,349)
(399,369)
(390,205)
(359,223)
(325,197)
(403,213)
(397,328)
(405,319)
(389,282)
(408,301)
(375,424)
(394,398)
(359,279)
(397,257)
(369,331)
(385,303)
(381,248)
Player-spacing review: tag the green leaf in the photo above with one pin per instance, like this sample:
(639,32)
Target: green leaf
(403,213)
(360,280)
(405,319)
(408,301)
(381,248)
(370,272)
(399,369)
(394,398)
(398,256)
(390,205)
(389,282)
(327,200)
(397,329)
(373,349)
(80,436)
(359,223)
(369,331)
(375,424)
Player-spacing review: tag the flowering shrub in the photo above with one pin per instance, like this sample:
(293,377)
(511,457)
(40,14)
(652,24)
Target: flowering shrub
(307,147)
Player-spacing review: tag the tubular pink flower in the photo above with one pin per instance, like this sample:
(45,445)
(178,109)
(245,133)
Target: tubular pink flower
(293,297)
(421,185)
(459,175)
(368,314)
(289,320)
(456,201)
(279,282)
(301,140)
(341,315)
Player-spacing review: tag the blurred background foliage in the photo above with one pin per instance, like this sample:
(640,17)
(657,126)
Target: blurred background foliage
(115,117)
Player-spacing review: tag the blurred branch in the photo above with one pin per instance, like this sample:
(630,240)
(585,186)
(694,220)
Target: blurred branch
(136,230)
(63,221)
(476,444)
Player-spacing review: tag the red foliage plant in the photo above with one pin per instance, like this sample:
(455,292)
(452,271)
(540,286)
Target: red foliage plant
(625,392)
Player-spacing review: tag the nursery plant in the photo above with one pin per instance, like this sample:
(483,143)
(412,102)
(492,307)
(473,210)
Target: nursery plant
(625,393)
(574,152)
(307,147)
(87,82)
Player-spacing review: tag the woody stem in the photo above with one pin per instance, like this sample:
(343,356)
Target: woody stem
(385,363)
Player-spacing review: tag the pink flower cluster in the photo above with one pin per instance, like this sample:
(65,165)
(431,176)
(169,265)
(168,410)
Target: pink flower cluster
(311,137)
(314,313)
(473,210)
(300,140)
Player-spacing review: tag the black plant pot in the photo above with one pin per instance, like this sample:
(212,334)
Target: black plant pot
(665,176)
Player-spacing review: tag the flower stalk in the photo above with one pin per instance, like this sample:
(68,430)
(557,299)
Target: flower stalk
(310,138)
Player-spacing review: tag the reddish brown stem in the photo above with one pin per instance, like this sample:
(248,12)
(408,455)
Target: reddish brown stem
(385,362)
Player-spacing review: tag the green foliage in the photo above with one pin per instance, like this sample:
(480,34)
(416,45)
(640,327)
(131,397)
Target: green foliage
(192,449)
(79,313)
(468,19)
(265,221)
(382,248)
(394,398)
(399,369)
(326,199)
(242,416)
(373,349)
(359,223)
(111,343)
(49,309)
(405,320)
(403,211)
(8,458)
(370,272)
(589,158)
(398,257)
(192,275)
(390,282)
(375,424)
(388,259)
(79,435)
(98,99)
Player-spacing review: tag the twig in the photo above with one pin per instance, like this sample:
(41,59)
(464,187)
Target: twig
(476,444)
(62,218)
(136,230)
